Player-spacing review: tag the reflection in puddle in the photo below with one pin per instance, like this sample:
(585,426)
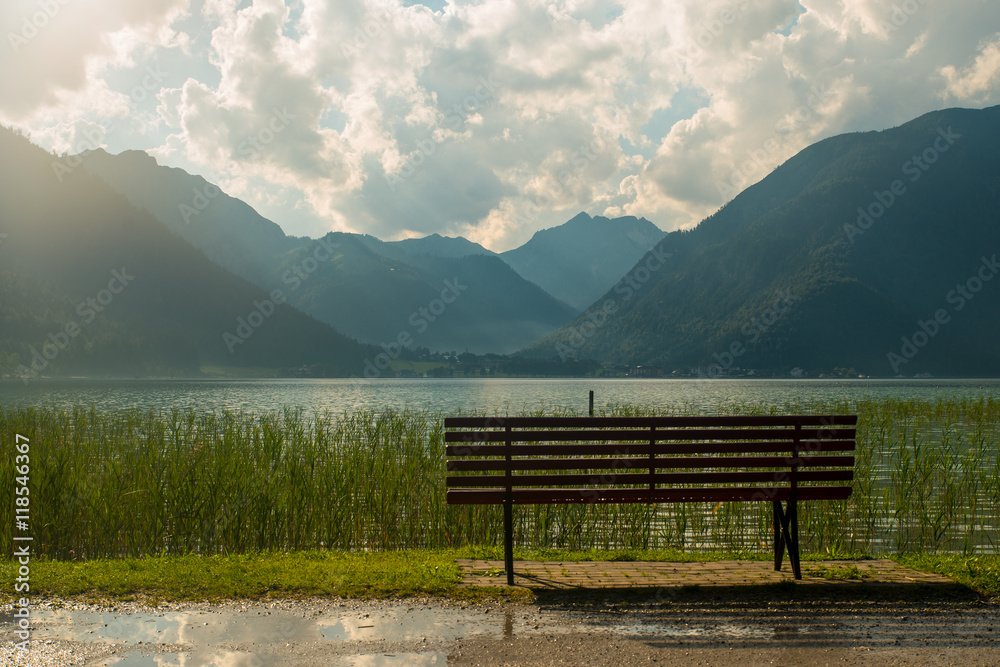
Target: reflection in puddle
(236,659)
(170,627)
(205,628)
(220,659)
(409,659)
(407,624)
(280,627)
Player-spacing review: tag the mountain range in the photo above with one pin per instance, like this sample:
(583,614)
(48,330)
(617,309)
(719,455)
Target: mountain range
(91,284)
(374,290)
(871,250)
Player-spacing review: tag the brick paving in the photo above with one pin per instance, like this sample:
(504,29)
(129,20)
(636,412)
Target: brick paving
(604,574)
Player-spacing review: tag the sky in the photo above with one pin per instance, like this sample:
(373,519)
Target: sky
(488,119)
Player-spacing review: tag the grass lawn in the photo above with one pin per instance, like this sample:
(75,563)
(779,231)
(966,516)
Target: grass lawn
(334,574)
(369,574)
(980,573)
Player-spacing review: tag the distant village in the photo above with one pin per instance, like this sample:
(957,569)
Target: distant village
(426,364)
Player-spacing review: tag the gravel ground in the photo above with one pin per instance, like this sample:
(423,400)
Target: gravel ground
(894,627)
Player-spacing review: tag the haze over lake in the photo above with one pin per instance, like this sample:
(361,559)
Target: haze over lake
(454,395)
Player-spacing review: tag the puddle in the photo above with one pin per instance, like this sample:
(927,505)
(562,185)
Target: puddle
(193,638)
(219,659)
(384,660)
(416,624)
(399,624)
(238,659)
(265,627)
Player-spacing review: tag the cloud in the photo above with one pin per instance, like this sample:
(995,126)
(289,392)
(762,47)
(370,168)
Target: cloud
(980,78)
(56,52)
(494,119)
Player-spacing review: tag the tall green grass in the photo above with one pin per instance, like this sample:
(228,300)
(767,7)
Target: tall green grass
(135,483)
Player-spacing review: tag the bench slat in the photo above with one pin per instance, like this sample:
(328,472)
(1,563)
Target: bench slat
(618,451)
(676,461)
(659,422)
(622,464)
(558,496)
(500,465)
(574,479)
(640,435)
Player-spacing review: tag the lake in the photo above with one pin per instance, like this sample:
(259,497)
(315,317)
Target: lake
(449,395)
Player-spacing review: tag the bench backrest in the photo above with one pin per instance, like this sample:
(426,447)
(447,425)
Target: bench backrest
(648,459)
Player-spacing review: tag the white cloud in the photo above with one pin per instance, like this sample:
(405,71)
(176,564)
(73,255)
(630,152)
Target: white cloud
(980,78)
(395,120)
(55,53)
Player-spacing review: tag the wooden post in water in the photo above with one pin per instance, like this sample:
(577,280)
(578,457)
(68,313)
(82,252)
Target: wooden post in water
(591,402)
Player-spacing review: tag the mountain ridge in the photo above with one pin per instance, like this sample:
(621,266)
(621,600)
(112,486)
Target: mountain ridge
(578,260)
(858,293)
(147,301)
(371,289)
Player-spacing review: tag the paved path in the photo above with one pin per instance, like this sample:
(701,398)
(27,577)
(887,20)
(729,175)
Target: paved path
(604,574)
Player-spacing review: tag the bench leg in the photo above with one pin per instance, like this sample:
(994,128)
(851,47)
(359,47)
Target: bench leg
(508,540)
(779,541)
(793,544)
(786,533)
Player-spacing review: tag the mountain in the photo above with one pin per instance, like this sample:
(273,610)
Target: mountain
(475,303)
(366,288)
(434,245)
(229,231)
(872,250)
(581,259)
(91,284)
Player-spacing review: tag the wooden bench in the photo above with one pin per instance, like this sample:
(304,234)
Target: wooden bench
(543,460)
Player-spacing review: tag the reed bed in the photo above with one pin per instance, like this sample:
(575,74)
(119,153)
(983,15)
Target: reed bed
(127,484)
